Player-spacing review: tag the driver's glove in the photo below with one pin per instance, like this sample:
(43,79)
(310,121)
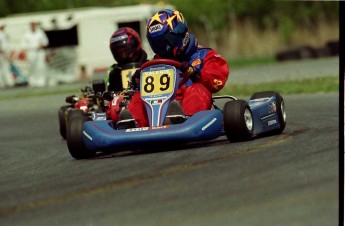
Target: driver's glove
(189,71)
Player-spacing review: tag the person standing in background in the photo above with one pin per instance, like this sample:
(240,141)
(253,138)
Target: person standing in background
(6,78)
(83,76)
(34,42)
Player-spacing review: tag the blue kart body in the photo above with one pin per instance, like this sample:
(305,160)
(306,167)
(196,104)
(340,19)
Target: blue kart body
(263,113)
(204,125)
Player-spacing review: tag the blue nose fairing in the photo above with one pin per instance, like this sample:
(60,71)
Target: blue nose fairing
(204,125)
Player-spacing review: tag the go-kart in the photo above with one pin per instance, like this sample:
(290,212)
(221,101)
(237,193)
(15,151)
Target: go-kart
(89,101)
(239,120)
(92,98)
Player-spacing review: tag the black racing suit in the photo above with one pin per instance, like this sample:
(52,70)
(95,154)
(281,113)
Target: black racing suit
(114,72)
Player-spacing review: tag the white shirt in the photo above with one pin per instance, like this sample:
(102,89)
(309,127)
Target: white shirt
(3,42)
(34,40)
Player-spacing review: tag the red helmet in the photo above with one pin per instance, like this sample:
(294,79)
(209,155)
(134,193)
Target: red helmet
(125,45)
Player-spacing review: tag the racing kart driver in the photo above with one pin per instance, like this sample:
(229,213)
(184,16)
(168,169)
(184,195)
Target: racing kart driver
(169,37)
(125,46)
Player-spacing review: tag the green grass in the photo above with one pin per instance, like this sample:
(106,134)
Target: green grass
(317,85)
(244,62)
(40,92)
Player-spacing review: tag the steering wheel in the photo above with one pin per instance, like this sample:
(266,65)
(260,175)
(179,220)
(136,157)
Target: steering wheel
(174,63)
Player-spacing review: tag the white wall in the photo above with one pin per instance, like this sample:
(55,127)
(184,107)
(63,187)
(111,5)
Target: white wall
(95,26)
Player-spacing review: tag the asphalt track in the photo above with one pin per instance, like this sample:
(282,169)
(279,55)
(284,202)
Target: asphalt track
(291,179)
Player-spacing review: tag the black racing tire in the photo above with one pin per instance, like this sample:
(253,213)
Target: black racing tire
(62,114)
(238,121)
(280,105)
(75,142)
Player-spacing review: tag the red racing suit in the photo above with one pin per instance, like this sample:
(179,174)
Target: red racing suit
(196,95)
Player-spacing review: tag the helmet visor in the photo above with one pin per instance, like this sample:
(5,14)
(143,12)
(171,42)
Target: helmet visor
(123,53)
(167,45)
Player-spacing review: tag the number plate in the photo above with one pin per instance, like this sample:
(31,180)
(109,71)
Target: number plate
(126,76)
(157,82)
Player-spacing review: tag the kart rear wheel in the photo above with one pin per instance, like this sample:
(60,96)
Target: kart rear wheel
(280,108)
(75,140)
(238,121)
(62,113)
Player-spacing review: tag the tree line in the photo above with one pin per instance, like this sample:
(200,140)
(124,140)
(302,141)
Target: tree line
(215,18)
(265,13)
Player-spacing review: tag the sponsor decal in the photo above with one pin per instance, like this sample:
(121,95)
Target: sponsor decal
(159,101)
(209,123)
(196,62)
(267,116)
(155,98)
(158,70)
(273,107)
(185,41)
(159,127)
(122,37)
(155,28)
(115,99)
(217,84)
(87,135)
(146,128)
(137,129)
(271,122)
(98,116)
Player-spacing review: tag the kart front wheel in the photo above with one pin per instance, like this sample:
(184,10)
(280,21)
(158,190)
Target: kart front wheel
(238,121)
(62,113)
(75,140)
(280,107)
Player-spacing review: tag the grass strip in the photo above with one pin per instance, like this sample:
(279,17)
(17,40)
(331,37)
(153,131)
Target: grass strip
(316,85)
(40,92)
(252,61)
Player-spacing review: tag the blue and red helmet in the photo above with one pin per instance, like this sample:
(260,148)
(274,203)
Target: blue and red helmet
(125,45)
(167,33)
